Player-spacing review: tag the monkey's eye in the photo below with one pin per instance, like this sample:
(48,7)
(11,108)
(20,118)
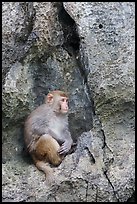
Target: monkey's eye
(64,100)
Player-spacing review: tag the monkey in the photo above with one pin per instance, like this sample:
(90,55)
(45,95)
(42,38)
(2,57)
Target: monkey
(46,132)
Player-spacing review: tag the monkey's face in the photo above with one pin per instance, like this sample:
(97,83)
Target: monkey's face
(58,101)
(63,105)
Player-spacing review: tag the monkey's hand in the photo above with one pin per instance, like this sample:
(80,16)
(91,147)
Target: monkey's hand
(65,147)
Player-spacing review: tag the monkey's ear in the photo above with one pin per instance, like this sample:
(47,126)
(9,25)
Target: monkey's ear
(49,98)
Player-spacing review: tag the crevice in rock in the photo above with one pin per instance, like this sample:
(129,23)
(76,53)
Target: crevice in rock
(96,194)
(105,173)
(86,190)
(71,37)
(104,140)
(107,161)
(72,45)
(92,159)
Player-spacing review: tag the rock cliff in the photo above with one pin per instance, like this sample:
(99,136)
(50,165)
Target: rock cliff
(87,49)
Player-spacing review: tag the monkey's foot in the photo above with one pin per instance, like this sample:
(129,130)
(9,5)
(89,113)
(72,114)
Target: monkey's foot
(42,166)
(50,179)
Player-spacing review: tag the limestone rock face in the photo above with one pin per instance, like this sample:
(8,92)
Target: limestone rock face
(107,32)
(88,50)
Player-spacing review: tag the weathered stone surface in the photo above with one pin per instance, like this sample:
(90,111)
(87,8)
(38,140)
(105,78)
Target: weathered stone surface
(108,41)
(87,49)
(78,178)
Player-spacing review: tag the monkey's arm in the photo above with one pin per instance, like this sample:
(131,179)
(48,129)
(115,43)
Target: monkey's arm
(64,140)
(39,127)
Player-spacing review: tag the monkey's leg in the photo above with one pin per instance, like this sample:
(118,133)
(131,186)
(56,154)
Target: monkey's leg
(46,152)
(47,148)
(53,155)
(42,166)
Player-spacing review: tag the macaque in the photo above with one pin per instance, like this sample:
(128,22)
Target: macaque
(46,133)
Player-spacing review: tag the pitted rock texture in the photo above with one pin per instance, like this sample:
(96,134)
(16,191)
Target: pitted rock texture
(87,49)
